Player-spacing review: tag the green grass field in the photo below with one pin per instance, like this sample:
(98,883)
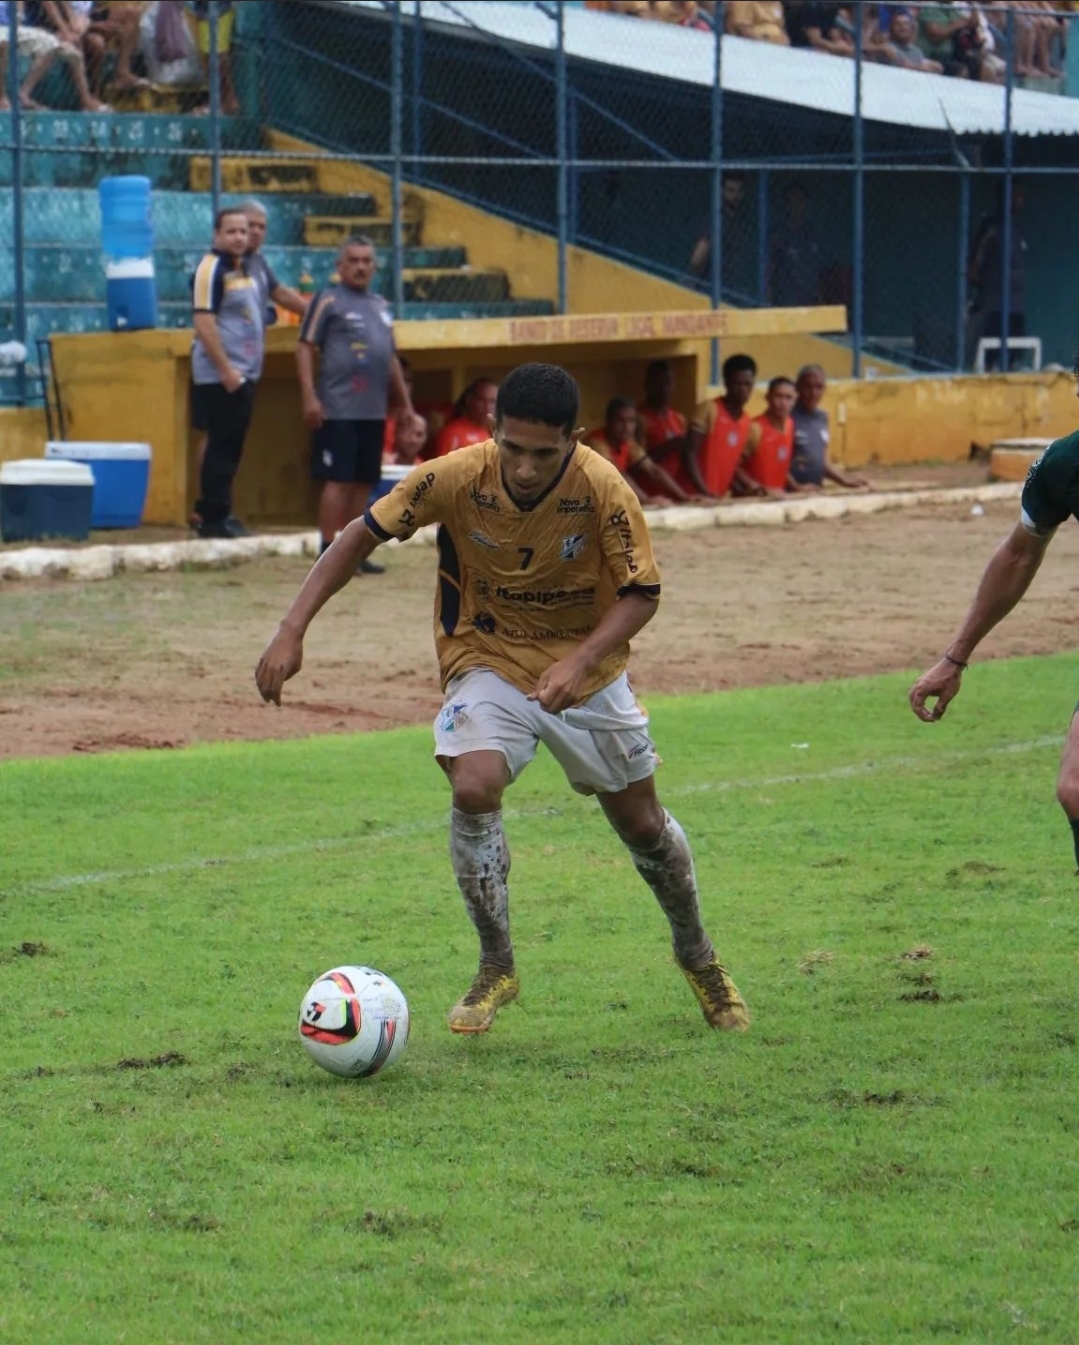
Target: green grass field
(891,1154)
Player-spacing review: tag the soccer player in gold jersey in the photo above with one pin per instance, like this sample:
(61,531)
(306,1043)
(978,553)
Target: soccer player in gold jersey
(545,573)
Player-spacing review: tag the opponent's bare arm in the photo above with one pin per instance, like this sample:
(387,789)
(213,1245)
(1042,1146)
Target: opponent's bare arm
(1005,579)
(691,455)
(563,683)
(283,656)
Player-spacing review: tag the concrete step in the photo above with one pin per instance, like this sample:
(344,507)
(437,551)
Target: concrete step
(458,285)
(263,173)
(72,218)
(1011,459)
(76,275)
(332,230)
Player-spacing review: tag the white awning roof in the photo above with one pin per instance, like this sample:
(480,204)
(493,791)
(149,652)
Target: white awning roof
(797,78)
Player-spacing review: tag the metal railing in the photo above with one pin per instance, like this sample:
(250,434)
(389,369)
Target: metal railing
(752,172)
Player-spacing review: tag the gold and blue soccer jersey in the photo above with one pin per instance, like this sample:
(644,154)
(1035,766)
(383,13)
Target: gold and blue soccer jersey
(520,588)
(1051,493)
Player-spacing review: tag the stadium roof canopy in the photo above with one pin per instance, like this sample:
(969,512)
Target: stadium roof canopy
(782,75)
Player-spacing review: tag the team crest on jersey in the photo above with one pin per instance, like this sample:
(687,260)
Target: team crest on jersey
(572,547)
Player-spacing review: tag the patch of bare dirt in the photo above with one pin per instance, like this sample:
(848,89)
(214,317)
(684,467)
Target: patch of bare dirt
(163,660)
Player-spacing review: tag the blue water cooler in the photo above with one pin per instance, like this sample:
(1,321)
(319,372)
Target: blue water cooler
(127,239)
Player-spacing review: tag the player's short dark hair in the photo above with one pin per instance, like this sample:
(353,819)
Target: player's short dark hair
(226,210)
(739,364)
(657,367)
(542,393)
(778,382)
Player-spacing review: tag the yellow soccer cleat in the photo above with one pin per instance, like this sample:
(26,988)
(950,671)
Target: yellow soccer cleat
(491,988)
(720,1001)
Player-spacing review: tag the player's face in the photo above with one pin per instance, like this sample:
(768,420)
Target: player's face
(256,231)
(356,267)
(531,455)
(740,387)
(624,426)
(781,400)
(810,390)
(231,236)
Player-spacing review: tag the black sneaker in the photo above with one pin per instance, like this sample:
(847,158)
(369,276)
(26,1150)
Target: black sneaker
(369,567)
(228,528)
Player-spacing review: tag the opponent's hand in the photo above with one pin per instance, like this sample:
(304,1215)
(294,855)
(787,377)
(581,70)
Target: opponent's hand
(941,682)
(281,659)
(561,685)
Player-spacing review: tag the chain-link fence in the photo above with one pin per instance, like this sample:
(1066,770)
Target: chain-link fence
(911,162)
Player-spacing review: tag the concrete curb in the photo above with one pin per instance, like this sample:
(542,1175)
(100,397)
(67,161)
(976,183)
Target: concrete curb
(102,562)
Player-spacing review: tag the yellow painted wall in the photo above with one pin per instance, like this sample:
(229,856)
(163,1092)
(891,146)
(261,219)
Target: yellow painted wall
(22,433)
(937,419)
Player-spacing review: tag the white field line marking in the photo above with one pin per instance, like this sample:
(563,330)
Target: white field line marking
(66,882)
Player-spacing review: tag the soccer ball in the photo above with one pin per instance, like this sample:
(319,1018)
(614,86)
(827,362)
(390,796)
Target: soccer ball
(354,1021)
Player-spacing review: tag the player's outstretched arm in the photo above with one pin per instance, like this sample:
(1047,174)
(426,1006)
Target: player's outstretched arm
(1004,581)
(283,656)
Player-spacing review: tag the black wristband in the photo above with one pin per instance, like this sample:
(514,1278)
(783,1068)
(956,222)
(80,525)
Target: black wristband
(957,661)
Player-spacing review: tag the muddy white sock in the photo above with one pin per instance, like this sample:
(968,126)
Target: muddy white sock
(667,868)
(481,864)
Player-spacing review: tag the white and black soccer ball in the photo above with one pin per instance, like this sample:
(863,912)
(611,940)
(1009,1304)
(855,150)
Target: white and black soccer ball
(354,1021)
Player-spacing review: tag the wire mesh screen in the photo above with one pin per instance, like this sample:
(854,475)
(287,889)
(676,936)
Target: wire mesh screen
(740,152)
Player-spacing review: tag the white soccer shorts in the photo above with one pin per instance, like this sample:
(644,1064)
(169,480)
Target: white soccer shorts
(603,745)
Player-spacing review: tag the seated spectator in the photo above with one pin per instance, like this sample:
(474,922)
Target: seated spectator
(471,423)
(955,36)
(718,436)
(822,27)
(770,449)
(662,428)
(901,49)
(403,442)
(226,19)
(686,13)
(760,20)
(617,442)
(108,27)
(39,45)
(794,261)
(67,27)
(810,466)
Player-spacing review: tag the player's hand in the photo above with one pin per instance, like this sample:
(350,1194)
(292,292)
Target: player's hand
(313,415)
(941,683)
(232,380)
(561,685)
(281,659)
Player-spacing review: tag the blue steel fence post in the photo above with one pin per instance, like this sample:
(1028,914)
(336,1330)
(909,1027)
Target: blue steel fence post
(962,261)
(717,182)
(18,247)
(1006,208)
(857,325)
(562,151)
(215,110)
(763,187)
(397,72)
(574,184)
(417,85)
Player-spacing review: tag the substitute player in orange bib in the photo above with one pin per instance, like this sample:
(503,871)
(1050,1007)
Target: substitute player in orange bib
(545,573)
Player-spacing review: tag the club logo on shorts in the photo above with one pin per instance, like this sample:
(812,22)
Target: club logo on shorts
(572,547)
(453,716)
